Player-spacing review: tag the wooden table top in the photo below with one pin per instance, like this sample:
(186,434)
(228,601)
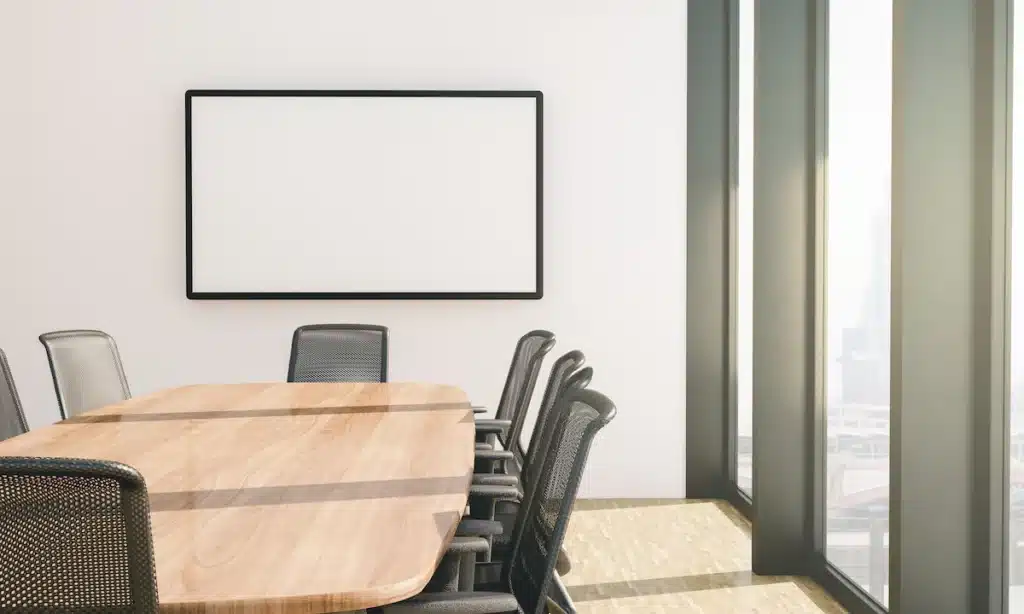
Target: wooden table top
(286,497)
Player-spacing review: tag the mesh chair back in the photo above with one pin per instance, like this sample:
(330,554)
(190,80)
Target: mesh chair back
(86,369)
(339,353)
(540,527)
(565,366)
(74,537)
(521,380)
(540,444)
(12,418)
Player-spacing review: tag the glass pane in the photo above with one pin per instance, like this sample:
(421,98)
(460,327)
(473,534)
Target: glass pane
(1016,528)
(857,290)
(745,252)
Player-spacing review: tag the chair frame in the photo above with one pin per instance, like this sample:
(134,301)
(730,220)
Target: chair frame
(5,371)
(549,338)
(485,505)
(520,405)
(577,361)
(293,358)
(606,411)
(60,334)
(537,567)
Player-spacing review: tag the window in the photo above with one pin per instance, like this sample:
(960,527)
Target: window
(1016,435)
(857,290)
(745,252)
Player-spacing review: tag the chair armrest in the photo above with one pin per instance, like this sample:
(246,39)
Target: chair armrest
(476,602)
(482,445)
(492,461)
(477,528)
(494,491)
(491,454)
(477,409)
(468,543)
(460,556)
(498,479)
(491,426)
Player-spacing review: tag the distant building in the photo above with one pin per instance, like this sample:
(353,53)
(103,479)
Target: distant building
(864,354)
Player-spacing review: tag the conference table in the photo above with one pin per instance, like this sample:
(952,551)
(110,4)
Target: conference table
(286,497)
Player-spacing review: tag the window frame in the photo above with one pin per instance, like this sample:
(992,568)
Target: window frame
(951,66)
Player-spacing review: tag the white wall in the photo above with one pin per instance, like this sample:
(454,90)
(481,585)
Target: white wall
(92,203)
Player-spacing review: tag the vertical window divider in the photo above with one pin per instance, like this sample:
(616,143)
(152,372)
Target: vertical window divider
(993,96)
(707,263)
(819,190)
(733,135)
(949,316)
(782,284)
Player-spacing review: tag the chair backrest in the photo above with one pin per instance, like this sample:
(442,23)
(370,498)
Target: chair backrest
(521,380)
(339,353)
(566,365)
(540,443)
(540,525)
(74,537)
(86,368)
(12,418)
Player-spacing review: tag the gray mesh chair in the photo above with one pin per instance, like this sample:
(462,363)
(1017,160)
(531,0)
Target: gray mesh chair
(566,374)
(514,404)
(74,537)
(494,510)
(566,366)
(480,536)
(528,574)
(12,418)
(86,369)
(339,353)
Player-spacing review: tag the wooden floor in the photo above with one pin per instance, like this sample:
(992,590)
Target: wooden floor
(674,556)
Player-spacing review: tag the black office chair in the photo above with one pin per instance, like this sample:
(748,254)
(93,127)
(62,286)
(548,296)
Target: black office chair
(74,537)
(566,374)
(86,368)
(339,353)
(565,367)
(514,404)
(496,499)
(12,418)
(528,575)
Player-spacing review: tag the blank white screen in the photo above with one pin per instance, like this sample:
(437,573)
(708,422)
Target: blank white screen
(363,194)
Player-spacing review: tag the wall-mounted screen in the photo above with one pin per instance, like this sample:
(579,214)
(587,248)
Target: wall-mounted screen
(363,194)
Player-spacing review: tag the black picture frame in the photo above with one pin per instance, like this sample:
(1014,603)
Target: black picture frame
(536,294)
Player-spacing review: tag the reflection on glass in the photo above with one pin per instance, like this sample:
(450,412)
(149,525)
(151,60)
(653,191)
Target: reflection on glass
(1016,528)
(745,252)
(857,290)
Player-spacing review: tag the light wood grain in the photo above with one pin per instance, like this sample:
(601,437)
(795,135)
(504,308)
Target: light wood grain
(286,497)
(671,556)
